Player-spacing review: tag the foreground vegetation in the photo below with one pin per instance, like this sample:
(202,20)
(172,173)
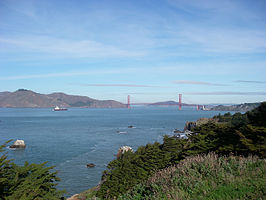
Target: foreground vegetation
(27,182)
(206,177)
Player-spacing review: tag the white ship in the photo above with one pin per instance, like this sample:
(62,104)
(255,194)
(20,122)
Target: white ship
(59,109)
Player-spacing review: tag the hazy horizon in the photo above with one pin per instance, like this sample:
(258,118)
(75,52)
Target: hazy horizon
(137,103)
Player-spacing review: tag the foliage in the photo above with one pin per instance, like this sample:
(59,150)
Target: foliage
(223,118)
(28,182)
(131,168)
(206,177)
(6,173)
(257,116)
(243,134)
(238,134)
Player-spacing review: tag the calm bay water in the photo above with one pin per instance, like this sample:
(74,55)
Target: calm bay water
(71,139)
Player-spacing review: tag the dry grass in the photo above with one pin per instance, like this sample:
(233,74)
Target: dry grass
(207,177)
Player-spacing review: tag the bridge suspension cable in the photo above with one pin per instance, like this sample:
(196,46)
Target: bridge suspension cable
(180,102)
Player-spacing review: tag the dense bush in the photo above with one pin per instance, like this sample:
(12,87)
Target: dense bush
(28,182)
(238,134)
(206,177)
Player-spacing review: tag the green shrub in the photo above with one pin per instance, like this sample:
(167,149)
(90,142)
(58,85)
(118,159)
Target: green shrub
(28,182)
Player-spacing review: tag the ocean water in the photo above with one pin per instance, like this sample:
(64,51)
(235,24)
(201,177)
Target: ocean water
(71,139)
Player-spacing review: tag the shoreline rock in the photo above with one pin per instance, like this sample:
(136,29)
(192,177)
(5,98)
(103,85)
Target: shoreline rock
(18,144)
(74,197)
(177,131)
(122,150)
(192,124)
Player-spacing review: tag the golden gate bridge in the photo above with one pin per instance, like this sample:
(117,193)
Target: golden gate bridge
(179,104)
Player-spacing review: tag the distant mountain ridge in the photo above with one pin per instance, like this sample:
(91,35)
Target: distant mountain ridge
(28,99)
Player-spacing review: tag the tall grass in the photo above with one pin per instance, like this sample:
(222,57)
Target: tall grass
(206,177)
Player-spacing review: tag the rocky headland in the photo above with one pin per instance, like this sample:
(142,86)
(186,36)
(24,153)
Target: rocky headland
(238,107)
(192,124)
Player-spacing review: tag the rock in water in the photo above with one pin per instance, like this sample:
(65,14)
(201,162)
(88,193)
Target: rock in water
(18,144)
(122,150)
(90,165)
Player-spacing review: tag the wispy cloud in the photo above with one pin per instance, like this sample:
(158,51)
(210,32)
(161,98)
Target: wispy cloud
(225,93)
(249,81)
(218,40)
(209,6)
(212,39)
(26,8)
(68,74)
(65,47)
(138,37)
(120,85)
(150,93)
(189,82)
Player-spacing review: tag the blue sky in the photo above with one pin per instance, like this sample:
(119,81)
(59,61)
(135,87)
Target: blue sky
(210,51)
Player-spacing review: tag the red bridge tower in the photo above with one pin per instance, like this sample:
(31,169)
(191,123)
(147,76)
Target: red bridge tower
(128,101)
(180,101)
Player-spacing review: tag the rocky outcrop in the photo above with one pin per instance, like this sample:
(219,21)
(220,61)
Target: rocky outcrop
(177,131)
(18,144)
(74,197)
(191,125)
(122,150)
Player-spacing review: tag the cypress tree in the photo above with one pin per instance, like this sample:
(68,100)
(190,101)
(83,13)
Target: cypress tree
(27,182)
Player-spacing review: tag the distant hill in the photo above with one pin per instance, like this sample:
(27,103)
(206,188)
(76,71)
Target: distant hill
(4,93)
(164,103)
(28,99)
(239,107)
(167,103)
